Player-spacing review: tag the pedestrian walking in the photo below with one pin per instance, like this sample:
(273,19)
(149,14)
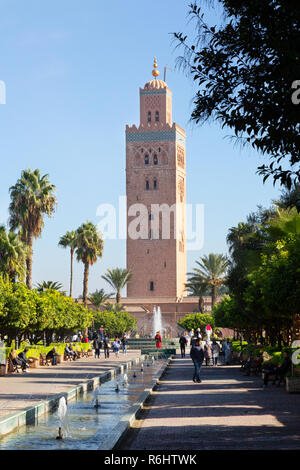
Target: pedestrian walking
(106,346)
(197,356)
(208,353)
(116,346)
(226,350)
(124,343)
(183,343)
(158,340)
(97,346)
(215,352)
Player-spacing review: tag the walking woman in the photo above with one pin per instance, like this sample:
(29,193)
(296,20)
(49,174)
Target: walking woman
(208,353)
(158,340)
(215,352)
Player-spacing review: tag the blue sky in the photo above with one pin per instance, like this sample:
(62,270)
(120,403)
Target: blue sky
(72,71)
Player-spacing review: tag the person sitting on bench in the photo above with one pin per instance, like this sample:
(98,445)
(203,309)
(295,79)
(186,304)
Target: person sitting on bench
(52,355)
(15,360)
(280,371)
(24,360)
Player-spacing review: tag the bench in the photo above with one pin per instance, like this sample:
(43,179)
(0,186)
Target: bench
(44,361)
(68,357)
(13,367)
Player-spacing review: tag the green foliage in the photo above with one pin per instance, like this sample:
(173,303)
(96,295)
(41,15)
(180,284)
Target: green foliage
(196,320)
(30,313)
(208,275)
(244,69)
(114,324)
(117,278)
(264,274)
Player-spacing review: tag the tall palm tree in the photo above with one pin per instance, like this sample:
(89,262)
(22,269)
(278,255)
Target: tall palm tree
(99,297)
(69,240)
(117,278)
(89,248)
(197,288)
(211,273)
(13,254)
(31,198)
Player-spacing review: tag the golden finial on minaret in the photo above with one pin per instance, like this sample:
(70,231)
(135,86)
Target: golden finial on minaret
(155,72)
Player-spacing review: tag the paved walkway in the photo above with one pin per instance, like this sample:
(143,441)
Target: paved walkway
(226,411)
(18,391)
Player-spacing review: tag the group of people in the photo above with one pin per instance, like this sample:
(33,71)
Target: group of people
(200,351)
(100,341)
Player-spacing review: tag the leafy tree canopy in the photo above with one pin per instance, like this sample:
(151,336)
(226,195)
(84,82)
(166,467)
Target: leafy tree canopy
(245,68)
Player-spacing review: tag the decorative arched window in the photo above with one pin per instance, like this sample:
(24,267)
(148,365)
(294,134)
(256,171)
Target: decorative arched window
(149,116)
(146,159)
(147,184)
(155,159)
(154,184)
(156,116)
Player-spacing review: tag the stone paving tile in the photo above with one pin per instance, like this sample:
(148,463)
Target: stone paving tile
(18,391)
(226,411)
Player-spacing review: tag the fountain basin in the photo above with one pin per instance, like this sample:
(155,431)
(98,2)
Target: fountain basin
(89,428)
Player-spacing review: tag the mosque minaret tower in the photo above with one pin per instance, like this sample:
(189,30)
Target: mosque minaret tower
(155,180)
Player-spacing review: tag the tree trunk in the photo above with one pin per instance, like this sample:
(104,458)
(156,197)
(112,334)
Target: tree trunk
(213,296)
(118,297)
(85,282)
(201,304)
(29,261)
(71,271)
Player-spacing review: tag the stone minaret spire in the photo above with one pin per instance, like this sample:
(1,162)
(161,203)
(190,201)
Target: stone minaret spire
(155,178)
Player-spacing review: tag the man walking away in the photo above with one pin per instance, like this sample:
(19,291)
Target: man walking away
(96,346)
(197,356)
(183,343)
(124,343)
(106,345)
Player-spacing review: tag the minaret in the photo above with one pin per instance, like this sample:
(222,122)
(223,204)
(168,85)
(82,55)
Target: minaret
(155,187)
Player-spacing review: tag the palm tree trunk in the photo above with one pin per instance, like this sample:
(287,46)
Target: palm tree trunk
(118,297)
(213,296)
(85,282)
(29,261)
(200,304)
(71,271)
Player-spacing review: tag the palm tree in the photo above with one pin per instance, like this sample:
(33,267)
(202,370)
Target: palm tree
(99,297)
(114,308)
(69,240)
(197,288)
(89,248)
(51,285)
(117,278)
(31,197)
(13,254)
(211,273)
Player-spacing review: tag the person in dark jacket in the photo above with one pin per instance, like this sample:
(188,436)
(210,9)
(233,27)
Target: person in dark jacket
(97,346)
(197,356)
(106,346)
(53,356)
(182,342)
(24,359)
